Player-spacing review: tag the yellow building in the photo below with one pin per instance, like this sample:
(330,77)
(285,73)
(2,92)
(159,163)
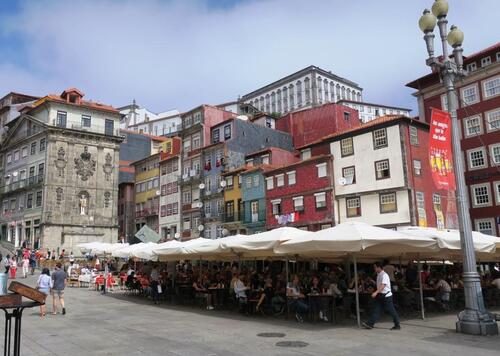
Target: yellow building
(233,206)
(147,192)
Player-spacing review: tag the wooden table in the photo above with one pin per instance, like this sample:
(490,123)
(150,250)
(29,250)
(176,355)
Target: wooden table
(328,297)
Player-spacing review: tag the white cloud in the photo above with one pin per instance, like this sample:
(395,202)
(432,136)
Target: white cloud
(179,54)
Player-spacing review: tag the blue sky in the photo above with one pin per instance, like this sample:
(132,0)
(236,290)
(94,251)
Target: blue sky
(179,54)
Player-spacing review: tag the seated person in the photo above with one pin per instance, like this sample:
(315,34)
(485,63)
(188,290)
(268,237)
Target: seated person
(443,289)
(200,289)
(266,295)
(296,298)
(318,304)
(132,282)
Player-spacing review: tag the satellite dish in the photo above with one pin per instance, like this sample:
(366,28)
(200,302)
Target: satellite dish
(177,235)
(14,174)
(201,186)
(225,232)
(158,192)
(342,181)
(201,228)
(200,204)
(223,183)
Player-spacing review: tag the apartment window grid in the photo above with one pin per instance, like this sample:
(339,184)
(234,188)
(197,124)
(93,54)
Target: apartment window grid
(477,158)
(417,167)
(486,61)
(349,173)
(497,191)
(471,67)
(248,182)
(473,126)
(320,199)
(346,147)
(413,136)
(42,145)
(321,170)
(276,204)
(481,195)
(298,203)
(485,226)
(491,87)
(291,177)
(379,138)
(388,203)
(469,95)
(353,206)
(86,121)
(493,120)
(495,154)
(420,200)
(382,169)
(269,183)
(280,180)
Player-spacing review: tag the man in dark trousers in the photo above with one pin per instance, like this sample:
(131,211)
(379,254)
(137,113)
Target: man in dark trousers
(383,299)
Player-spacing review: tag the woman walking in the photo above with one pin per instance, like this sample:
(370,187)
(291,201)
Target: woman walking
(43,285)
(26,266)
(13,267)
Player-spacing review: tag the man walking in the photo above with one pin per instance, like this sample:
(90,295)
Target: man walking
(59,280)
(383,299)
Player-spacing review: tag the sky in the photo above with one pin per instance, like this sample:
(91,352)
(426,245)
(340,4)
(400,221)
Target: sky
(179,54)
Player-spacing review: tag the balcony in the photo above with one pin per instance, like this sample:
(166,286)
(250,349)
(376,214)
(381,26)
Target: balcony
(153,211)
(190,177)
(255,217)
(233,217)
(26,183)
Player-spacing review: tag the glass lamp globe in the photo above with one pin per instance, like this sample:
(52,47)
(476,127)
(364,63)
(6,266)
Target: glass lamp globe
(455,37)
(440,8)
(427,22)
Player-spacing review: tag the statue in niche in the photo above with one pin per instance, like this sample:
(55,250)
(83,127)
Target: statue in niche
(59,195)
(60,162)
(85,165)
(108,166)
(107,198)
(83,204)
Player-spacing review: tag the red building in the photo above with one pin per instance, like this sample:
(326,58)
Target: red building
(479,117)
(310,125)
(300,194)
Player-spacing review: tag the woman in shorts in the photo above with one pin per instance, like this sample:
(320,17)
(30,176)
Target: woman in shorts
(43,285)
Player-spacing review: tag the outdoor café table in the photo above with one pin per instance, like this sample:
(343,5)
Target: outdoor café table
(331,301)
(16,312)
(217,296)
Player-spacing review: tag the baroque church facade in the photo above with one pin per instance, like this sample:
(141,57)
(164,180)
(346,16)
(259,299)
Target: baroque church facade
(60,174)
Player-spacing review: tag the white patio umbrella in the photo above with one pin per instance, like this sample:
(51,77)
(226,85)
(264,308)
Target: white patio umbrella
(193,249)
(145,252)
(102,247)
(125,251)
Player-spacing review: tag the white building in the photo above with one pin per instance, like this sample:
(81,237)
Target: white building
(144,121)
(309,87)
(380,172)
(370,111)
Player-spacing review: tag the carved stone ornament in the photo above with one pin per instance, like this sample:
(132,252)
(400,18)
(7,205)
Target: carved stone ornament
(59,195)
(107,198)
(61,161)
(85,165)
(108,166)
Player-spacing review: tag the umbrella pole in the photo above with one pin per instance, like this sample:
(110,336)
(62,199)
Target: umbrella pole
(421,291)
(286,269)
(357,289)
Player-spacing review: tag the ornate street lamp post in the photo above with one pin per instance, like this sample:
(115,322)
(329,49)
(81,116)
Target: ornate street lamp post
(475,319)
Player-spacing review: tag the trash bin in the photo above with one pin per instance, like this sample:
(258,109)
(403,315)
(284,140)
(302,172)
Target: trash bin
(3,283)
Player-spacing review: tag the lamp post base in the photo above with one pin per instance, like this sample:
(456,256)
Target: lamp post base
(473,322)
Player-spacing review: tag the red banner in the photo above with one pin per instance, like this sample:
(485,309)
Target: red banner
(440,153)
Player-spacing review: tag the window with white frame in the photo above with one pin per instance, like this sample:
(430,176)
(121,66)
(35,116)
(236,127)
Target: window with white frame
(248,182)
(276,206)
(220,204)
(291,177)
(417,167)
(388,203)
(321,170)
(346,147)
(495,154)
(265,159)
(481,194)
(269,183)
(491,87)
(493,120)
(298,203)
(379,138)
(477,158)
(486,61)
(473,126)
(382,170)
(256,180)
(229,182)
(353,207)
(420,200)
(349,173)
(496,186)
(444,102)
(413,136)
(280,180)
(469,94)
(208,209)
(485,226)
(471,67)
(305,154)
(320,200)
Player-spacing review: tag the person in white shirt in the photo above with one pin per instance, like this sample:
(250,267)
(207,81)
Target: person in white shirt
(383,299)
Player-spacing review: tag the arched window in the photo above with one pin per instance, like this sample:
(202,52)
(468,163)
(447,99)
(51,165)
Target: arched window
(332,92)
(261,103)
(268,103)
(348,94)
(285,99)
(359,96)
(307,84)
(279,100)
(291,94)
(299,93)
(343,92)
(325,87)
(338,92)
(273,102)
(256,103)
(320,90)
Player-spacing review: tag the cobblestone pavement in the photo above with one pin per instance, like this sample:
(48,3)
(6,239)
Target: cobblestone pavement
(116,324)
